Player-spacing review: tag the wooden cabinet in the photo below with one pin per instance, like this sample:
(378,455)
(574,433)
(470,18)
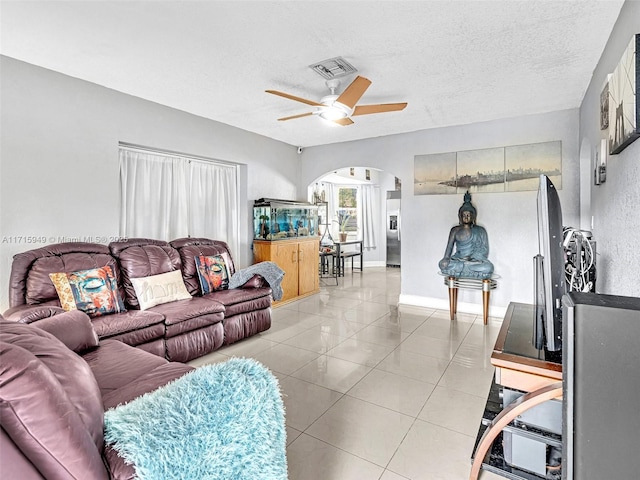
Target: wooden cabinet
(299,260)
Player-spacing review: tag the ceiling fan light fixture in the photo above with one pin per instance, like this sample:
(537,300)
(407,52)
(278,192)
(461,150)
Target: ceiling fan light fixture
(328,122)
(332,110)
(332,113)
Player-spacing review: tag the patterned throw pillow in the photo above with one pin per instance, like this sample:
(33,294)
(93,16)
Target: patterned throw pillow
(93,291)
(212,273)
(157,289)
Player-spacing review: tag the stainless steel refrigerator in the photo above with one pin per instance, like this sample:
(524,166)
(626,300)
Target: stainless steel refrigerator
(393,228)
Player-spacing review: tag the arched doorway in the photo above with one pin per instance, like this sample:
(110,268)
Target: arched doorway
(356,205)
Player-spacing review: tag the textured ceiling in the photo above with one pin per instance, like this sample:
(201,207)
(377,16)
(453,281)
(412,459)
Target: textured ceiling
(454,62)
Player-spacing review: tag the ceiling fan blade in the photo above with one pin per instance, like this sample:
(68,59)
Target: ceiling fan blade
(343,121)
(354,91)
(293,97)
(295,116)
(379,108)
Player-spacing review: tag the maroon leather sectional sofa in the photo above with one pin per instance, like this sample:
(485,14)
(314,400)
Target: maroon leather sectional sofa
(178,331)
(56,382)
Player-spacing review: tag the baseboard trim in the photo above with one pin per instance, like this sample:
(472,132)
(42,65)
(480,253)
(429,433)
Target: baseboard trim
(374,264)
(417,304)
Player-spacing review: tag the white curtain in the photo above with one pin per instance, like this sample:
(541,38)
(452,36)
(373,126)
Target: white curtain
(332,208)
(165,196)
(213,201)
(370,205)
(152,196)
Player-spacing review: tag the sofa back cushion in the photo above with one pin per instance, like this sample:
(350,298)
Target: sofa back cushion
(142,257)
(50,403)
(30,283)
(190,248)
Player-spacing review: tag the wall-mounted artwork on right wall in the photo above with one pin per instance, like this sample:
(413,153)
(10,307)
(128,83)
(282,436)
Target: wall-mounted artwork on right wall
(624,102)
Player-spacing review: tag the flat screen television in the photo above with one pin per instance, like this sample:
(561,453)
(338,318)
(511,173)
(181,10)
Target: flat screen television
(549,269)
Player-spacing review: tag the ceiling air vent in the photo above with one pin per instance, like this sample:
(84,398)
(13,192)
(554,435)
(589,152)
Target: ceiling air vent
(333,68)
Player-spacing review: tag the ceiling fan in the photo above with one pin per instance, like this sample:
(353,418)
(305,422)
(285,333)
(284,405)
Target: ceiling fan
(340,108)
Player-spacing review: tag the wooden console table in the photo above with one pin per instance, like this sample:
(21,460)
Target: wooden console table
(522,367)
(341,254)
(486,285)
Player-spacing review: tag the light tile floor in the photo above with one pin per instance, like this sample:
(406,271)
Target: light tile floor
(371,392)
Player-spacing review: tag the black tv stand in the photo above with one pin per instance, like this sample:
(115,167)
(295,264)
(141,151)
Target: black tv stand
(495,461)
(523,374)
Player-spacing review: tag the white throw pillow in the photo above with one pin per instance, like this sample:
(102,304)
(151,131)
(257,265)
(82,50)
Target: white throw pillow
(157,289)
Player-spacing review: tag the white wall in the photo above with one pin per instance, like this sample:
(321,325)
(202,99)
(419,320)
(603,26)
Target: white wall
(510,218)
(615,204)
(59,158)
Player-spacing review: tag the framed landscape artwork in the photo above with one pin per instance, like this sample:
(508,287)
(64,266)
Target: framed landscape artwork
(624,105)
(525,163)
(480,170)
(435,174)
(516,168)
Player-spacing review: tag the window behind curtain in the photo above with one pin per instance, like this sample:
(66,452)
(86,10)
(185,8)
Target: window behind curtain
(361,204)
(166,196)
(348,208)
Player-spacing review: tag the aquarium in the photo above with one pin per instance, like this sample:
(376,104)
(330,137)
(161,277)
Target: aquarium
(282,219)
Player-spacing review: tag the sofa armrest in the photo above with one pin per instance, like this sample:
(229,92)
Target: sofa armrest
(256,281)
(73,328)
(31,313)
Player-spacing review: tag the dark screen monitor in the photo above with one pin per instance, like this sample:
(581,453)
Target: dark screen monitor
(550,275)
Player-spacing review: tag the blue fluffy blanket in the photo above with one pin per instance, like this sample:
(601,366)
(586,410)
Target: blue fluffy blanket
(221,421)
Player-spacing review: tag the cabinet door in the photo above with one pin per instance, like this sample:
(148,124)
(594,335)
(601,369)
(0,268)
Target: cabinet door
(286,257)
(307,267)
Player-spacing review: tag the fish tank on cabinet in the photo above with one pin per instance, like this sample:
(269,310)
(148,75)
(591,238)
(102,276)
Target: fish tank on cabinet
(283,219)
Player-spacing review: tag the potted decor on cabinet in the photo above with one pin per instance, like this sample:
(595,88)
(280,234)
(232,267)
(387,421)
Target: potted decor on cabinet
(343,225)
